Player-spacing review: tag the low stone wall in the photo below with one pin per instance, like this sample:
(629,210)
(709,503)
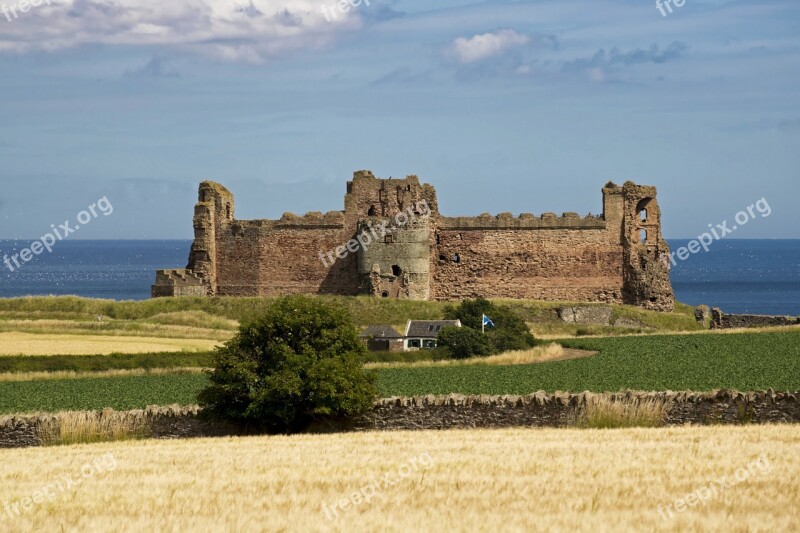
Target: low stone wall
(720,320)
(447,412)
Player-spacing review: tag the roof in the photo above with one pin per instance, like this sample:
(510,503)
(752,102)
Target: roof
(380,332)
(429,328)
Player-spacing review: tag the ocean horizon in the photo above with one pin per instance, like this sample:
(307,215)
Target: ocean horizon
(759,276)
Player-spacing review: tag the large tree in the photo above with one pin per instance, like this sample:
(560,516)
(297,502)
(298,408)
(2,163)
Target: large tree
(299,361)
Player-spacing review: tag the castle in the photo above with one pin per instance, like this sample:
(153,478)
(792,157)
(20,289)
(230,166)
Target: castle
(619,257)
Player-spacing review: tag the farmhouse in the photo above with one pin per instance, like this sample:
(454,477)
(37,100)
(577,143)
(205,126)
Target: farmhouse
(382,339)
(421,334)
(617,257)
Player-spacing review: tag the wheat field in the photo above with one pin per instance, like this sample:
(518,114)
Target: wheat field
(17,343)
(478,480)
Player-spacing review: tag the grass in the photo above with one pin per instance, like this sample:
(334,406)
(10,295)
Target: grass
(119,393)
(601,413)
(746,361)
(222,314)
(69,374)
(111,328)
(464,480)
(83,427)
(99,363)
(539,354)
(15,343)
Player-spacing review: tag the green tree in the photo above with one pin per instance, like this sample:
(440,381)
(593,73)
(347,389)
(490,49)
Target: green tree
(510,332)
(299,361)
(465,342)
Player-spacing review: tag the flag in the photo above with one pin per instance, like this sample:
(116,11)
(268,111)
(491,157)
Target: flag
(487,321)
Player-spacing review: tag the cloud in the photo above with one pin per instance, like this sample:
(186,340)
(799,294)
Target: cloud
(602,64)
(235,30)
(789,125)
(158,67)
(480,47)
(403,75)
(616,58)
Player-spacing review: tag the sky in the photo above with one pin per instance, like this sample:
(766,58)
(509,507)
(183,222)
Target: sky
(502,106)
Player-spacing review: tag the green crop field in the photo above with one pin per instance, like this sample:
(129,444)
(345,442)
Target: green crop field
(745,361)
(121,393)
(98,363)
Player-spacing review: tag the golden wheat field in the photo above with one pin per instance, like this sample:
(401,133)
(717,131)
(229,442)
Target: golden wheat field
(17,343)
(479,480)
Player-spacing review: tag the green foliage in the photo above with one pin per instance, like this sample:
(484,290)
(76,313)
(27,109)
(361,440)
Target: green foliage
(299,361)
(98,363)
(510,332)
(436,354)
(698,362)
(365,311)
(120,393)
(463,343)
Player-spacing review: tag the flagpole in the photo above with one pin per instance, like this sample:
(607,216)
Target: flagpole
(483,324)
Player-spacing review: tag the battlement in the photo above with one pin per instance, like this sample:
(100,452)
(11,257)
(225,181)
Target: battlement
(524,221)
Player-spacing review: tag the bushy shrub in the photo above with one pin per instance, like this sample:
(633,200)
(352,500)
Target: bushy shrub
(465,342)
(510,332)
(300,360)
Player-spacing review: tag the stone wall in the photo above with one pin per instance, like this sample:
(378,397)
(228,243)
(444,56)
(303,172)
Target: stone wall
(547,257)
(458,412)
(720,320)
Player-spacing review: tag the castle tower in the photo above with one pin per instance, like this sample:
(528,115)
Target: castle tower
(646,253)
(396,216)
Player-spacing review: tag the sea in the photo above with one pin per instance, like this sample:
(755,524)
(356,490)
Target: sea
(736,275)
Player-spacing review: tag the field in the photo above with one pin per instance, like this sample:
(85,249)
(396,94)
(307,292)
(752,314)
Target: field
(15,343)
(121,393)
(700,362)
(743,361)
(217,318)
(509,480)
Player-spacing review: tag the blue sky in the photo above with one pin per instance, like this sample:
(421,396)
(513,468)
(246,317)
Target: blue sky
(503,106)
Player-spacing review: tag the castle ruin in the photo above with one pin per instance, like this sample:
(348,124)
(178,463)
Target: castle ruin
(618,257)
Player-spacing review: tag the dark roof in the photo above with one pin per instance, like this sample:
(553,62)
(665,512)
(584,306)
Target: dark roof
(380,332)
(429,328)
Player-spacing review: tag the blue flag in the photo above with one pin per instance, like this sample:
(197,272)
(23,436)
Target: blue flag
(487,321)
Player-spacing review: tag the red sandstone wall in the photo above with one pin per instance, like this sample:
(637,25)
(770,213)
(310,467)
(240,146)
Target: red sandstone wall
(264,260)
(551,264)
(291,264)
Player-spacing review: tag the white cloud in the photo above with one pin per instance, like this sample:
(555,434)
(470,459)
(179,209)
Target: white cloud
(244,30)
(480,47)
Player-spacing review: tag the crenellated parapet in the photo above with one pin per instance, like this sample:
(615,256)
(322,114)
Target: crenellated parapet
(523,221)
